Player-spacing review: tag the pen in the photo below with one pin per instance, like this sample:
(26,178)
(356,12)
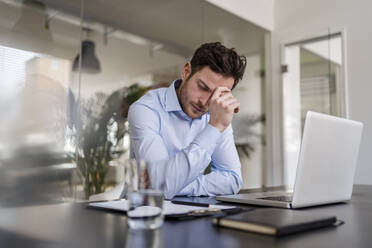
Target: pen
(198,204)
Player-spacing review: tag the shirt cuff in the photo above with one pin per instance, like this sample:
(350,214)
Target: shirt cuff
(208,138)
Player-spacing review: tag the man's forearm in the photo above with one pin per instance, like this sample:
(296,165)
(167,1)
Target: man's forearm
(180,170)
(214,183)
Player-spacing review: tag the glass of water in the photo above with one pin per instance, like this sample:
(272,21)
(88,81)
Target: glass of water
(145,203)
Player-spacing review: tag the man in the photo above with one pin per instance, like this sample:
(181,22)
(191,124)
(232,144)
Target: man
(181,129)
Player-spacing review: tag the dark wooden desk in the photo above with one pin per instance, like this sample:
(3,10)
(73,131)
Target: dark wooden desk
(72,225)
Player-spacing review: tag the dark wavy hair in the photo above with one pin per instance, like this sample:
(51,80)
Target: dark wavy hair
(220,59)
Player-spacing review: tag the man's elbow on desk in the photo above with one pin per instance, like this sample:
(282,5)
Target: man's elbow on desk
(237,186)
(233,188)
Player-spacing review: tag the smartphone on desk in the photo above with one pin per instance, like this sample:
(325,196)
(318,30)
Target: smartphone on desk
(203,201)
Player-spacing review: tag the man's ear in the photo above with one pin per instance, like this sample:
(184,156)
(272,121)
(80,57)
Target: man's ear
(186,72)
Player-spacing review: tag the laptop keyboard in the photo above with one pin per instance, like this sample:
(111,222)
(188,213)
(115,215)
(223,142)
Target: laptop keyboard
(283,198)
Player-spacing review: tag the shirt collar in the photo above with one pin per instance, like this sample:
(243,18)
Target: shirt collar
(171,99)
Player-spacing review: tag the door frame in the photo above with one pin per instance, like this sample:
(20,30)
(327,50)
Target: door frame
(273,173)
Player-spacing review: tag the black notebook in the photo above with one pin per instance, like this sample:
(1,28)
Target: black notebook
(275,222)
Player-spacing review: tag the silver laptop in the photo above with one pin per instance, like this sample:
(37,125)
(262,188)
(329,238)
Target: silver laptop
(326,166)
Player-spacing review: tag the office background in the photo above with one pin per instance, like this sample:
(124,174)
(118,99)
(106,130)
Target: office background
(64,133)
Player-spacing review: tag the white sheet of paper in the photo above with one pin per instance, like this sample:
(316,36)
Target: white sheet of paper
(169,207)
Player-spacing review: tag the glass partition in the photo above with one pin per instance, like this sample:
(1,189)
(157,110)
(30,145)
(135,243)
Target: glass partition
(69,73)
(35,70)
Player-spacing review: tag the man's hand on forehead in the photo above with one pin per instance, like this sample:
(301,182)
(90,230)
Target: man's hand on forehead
(221,91)
(222,106)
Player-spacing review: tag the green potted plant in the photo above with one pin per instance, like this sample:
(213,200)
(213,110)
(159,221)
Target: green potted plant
(97,127)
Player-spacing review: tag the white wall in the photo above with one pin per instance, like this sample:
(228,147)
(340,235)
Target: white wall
(258,12)
(294,19)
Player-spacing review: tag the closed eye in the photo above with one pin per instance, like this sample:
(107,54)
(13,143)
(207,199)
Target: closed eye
(203,87)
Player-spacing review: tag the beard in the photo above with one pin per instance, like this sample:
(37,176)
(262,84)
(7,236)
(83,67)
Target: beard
(190,108)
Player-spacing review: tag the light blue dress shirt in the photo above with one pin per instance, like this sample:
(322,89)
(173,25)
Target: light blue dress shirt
(179,148)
